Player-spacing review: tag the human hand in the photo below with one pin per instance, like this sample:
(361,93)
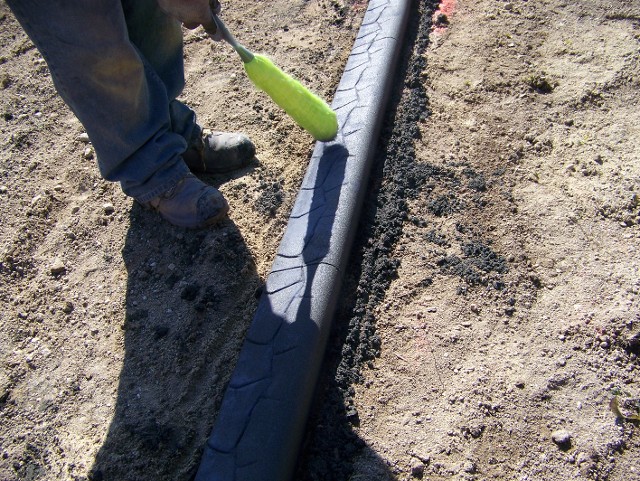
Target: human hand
(192,13)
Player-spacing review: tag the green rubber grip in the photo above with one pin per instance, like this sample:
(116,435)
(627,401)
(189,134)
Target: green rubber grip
(308,110)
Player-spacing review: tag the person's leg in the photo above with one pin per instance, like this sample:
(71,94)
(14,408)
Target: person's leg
(153,34)
(159,40)
(121,97)
(184,122)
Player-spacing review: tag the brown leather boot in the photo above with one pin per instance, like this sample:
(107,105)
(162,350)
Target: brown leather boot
(190,203)
(219,152)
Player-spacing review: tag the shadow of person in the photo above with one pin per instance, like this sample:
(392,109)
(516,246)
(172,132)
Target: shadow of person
(190,297)
(261,423)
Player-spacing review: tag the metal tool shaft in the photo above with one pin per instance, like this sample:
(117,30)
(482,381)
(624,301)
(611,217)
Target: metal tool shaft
(245,54)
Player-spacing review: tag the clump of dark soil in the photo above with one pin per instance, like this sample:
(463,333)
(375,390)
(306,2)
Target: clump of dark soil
(479,259)
(270,198)
(444,205)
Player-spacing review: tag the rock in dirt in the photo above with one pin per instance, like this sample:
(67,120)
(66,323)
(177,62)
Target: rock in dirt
(57,267)
(561,437)
(417,470)
(108,208)
(469,467)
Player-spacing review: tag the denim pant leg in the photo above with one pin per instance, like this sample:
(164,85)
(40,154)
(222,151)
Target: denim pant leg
(120,94)
(160,43)
(184,122)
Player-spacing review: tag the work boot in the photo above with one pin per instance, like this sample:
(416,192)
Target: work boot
(190,203)
(218,152)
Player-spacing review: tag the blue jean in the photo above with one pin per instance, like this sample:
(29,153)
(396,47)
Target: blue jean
(118,66)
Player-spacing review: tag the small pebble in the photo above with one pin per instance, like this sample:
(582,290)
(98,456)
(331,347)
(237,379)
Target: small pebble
(57,267)
(417,470)
(3,189)
(83,137)
(561,437)
(67,308)
(108,208)
(88,153)
(469,467)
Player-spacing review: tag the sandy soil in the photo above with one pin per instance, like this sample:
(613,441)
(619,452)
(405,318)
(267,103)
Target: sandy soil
(119,332)
(491,314)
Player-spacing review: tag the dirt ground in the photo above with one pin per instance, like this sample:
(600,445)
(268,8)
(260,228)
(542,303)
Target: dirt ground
(491,314)
(119,332)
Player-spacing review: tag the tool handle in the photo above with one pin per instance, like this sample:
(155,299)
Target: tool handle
(222,33)
(308,110)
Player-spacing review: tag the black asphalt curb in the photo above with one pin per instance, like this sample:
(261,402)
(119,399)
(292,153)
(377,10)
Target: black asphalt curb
(262,419)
